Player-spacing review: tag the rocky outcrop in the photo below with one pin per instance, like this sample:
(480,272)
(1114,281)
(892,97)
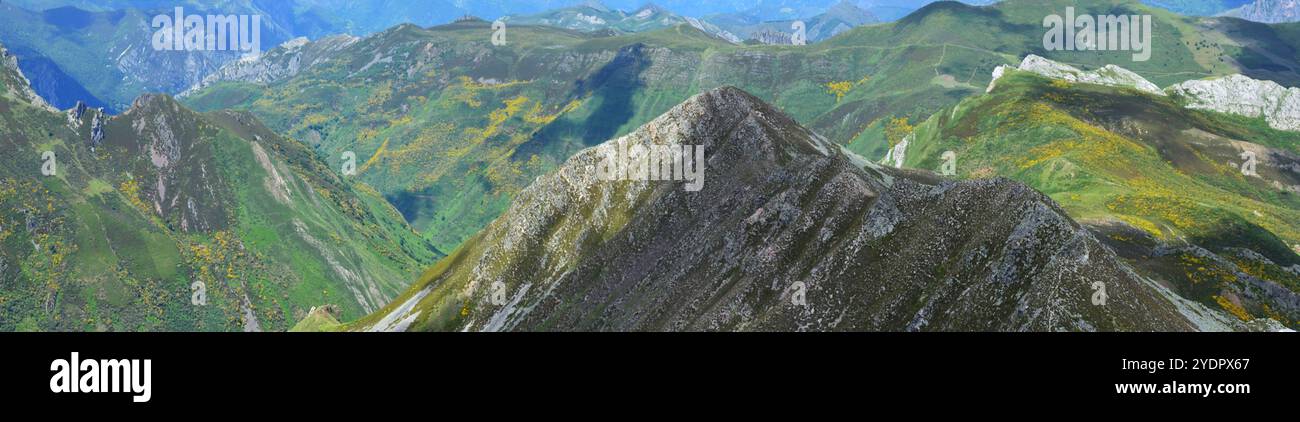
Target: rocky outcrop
(97,118)
(1109,75)
(279,63)
(97,129)
(711,29)
(789,233)
(181,182)
(16,84)
(1232,94)
(1243,96)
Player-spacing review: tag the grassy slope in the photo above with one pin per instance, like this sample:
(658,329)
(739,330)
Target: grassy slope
(87,249)
(1117,155)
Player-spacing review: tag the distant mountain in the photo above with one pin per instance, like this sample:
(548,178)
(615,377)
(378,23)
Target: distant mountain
(55,86)
(892,10)
(788,233)
(163,219)
(99,52)
(841,17)
(762,9)
(106,57)
(782,10)
(277,64)
(594,16)
(1197,7)
(316,18)
(1268,11)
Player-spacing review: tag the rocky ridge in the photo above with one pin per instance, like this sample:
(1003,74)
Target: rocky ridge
(1109,75)
(789,233)
(279,63)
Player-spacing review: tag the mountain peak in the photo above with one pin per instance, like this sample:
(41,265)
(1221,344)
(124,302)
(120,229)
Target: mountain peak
(706,117)
(596,5)
(846,7)
(782,214)
(649,9)
(152,103)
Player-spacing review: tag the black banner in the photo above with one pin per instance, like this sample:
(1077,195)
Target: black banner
(190,370)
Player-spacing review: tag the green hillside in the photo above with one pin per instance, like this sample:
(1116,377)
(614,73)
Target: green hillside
(146,209)
(1161,181)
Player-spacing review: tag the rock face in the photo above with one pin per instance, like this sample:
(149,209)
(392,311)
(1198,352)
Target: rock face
(279,63)
(97,129)
(16,84)
(1244,96)
(1109,75)
(789,233)
(183,185)
(1268,11)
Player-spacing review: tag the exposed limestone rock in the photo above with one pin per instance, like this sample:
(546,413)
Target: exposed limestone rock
(1109,75)
(1244,96)
(97,129)
(279,63)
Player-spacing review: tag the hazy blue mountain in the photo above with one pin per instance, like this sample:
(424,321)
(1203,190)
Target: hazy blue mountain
(107,57)
(55,86)
(841,17)
(98,51)
(594,16)
(1198,7)
(1268,11)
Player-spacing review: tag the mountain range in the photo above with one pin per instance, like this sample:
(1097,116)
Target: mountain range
(594,16)
(97,52)
(437,119)
(941,171)
(841,17)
